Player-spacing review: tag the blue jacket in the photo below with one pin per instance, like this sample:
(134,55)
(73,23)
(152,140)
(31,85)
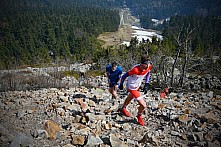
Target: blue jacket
(113,76)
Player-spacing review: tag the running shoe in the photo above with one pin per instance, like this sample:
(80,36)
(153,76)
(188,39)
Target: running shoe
(140,120)
(125,112)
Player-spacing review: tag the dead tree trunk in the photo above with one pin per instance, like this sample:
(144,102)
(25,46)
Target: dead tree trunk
(179,42)
(186,50)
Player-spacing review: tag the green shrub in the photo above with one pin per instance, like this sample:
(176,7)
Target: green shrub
(94,73)
(72,74)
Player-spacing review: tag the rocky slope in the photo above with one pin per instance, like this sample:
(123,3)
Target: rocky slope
(83,116)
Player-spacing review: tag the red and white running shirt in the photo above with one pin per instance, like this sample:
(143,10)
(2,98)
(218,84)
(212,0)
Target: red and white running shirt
(136,76)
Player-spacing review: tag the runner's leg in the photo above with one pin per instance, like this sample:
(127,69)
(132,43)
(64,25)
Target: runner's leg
(128,99)
(142,106)
(114,91)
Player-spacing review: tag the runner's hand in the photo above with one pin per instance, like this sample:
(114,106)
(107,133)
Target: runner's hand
(121,87)
(109,83)
(146,88)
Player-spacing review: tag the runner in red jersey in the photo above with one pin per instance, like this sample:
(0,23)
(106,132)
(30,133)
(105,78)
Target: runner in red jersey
(135,78)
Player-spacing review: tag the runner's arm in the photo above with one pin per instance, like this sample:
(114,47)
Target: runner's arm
(147,77)
(123,78)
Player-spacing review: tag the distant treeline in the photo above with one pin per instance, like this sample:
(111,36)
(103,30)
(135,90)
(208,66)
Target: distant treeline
(161,9)
(205,37)
(33,33)
(158,9)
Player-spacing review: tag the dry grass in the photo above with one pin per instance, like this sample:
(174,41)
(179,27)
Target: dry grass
(124,33)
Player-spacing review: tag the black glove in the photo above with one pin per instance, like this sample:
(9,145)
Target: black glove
(145,89)
(121,87)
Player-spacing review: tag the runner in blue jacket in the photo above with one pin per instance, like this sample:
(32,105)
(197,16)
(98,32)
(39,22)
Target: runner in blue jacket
(113,73)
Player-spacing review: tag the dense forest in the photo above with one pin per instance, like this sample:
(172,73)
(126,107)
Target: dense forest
(53,31)
(33,33)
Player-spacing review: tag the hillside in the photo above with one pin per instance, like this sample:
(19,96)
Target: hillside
(81,116)
(161,9)
(38,33)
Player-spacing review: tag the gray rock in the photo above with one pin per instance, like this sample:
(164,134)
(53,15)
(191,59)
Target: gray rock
(93,141)
(22,140)
(115,141)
